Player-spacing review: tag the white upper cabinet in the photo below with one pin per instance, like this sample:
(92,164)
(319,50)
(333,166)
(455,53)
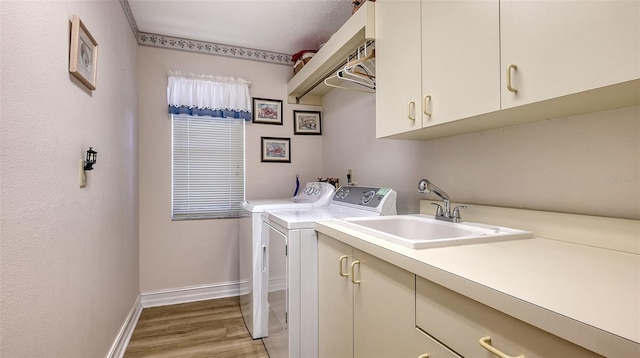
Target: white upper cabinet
(398,67)
(436,62)
(451,67)
(566,47)
(460,59)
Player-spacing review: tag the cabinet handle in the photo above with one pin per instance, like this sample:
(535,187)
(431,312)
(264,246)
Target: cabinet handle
(264,258)
(485,342)
(410,109)
(353,273)
(511,67)
(426,355)
(426,101)
(342,258)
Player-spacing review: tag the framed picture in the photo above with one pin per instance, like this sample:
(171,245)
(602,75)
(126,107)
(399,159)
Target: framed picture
(267,111)
(307,122)
(83,54)
(276,150)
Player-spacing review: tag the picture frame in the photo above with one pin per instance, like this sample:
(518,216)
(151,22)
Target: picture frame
(267,111)
(83,54)
(276,150)
(307,122)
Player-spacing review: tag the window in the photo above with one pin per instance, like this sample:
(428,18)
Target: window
(207,167)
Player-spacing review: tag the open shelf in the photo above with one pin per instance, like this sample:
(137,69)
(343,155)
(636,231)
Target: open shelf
(307,86)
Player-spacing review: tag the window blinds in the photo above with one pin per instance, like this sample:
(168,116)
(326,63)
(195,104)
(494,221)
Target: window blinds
(207,167)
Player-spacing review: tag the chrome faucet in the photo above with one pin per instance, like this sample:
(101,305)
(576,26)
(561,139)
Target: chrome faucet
(425,186)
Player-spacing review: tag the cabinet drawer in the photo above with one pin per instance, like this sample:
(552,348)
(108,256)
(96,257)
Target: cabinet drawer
(460,323)
(430,348)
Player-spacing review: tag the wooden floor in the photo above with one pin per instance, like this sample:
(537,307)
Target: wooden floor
(211,328)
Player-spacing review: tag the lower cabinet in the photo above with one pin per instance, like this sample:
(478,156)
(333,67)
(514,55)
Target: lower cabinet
(472,329)
(366,306)
(371,308)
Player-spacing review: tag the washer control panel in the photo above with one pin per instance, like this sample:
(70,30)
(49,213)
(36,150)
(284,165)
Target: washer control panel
(314,191)
(362,196)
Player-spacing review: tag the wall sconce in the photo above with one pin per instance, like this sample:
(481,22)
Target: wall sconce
(87,164)
(91,159)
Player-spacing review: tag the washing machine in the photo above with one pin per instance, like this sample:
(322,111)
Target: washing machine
(252,253)
(291,295)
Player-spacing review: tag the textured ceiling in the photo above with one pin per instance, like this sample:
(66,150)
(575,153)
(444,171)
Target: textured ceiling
(283,26)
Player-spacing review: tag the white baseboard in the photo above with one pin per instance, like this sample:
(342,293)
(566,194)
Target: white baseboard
(190,294)
(164,298)
(124,335)
(277,283)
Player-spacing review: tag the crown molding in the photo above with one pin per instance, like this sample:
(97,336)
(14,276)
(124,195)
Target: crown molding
(204,47)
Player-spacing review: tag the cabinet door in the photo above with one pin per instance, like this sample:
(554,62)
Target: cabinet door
(460,59)
(384,309)
(397,67)
(565,47)
(335,306)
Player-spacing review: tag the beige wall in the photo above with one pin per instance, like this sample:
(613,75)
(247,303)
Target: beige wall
(349,143)
(588,164)
(69,256)
(177,254)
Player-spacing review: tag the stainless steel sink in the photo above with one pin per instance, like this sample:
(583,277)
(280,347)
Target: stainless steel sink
(422,232)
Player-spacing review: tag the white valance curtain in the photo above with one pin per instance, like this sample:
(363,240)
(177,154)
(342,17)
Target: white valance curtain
(213,96)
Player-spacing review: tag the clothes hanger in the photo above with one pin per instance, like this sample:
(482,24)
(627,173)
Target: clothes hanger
(359,68)
(326,82)
(356,72)
(362,59)
(357,79)
(362,63)
(369,87)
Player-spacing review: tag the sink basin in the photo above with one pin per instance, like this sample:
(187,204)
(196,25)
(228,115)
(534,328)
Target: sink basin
(422,232)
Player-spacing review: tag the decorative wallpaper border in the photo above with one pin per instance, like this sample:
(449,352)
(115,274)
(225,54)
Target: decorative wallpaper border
(132,21)
(209,48)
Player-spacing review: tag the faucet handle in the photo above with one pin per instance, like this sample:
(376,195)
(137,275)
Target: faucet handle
(456,213)
(439,211)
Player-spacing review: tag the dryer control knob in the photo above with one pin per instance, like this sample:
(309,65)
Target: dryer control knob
(366,198)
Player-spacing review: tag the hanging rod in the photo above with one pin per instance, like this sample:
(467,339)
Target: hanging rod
(353,55)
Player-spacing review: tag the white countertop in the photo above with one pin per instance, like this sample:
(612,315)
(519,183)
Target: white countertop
(587,295)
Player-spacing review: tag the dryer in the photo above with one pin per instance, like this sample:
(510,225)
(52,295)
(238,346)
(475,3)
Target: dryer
(291,295)
(252,252)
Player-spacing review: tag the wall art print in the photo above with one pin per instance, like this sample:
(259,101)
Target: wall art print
(276,149)
(307,122)
(83,54)
(267,111)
